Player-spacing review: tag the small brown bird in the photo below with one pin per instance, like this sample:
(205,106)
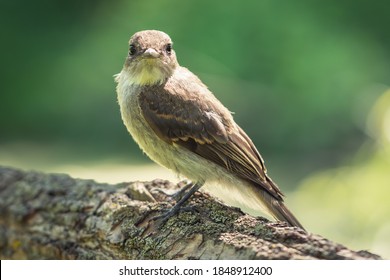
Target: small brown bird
(181,125)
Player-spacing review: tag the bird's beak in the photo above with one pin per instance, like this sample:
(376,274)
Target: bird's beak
(151,53)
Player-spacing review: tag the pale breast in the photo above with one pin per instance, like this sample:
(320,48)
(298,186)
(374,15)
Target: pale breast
(128,99)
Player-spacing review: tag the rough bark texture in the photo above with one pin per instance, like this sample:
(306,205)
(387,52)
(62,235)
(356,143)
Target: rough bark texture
(54,216)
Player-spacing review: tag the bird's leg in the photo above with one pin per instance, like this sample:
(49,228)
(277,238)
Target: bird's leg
(179,194)
(175,209)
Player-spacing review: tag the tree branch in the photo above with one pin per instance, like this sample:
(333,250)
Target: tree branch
(54,216)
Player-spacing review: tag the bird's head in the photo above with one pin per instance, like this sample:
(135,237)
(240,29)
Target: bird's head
(151,58)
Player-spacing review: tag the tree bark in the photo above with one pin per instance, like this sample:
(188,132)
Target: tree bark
(54,216)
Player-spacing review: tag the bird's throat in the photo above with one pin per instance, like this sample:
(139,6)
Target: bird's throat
(147,73)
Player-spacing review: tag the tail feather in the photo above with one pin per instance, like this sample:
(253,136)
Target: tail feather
(280,212)
(278,209)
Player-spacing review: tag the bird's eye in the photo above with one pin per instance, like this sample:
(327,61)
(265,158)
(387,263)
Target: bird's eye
(168,48)
(132,50)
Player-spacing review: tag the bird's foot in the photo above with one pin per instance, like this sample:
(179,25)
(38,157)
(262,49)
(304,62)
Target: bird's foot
(164,217)
(178,206)
(157,221)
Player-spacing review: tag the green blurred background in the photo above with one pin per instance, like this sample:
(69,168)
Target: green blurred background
(308,81)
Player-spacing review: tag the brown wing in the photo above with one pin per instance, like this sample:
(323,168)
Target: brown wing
(192,117)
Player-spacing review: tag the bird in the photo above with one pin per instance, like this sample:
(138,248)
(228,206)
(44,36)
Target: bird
(180,124)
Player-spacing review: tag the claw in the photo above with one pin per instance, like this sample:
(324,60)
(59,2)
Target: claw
(178,206)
